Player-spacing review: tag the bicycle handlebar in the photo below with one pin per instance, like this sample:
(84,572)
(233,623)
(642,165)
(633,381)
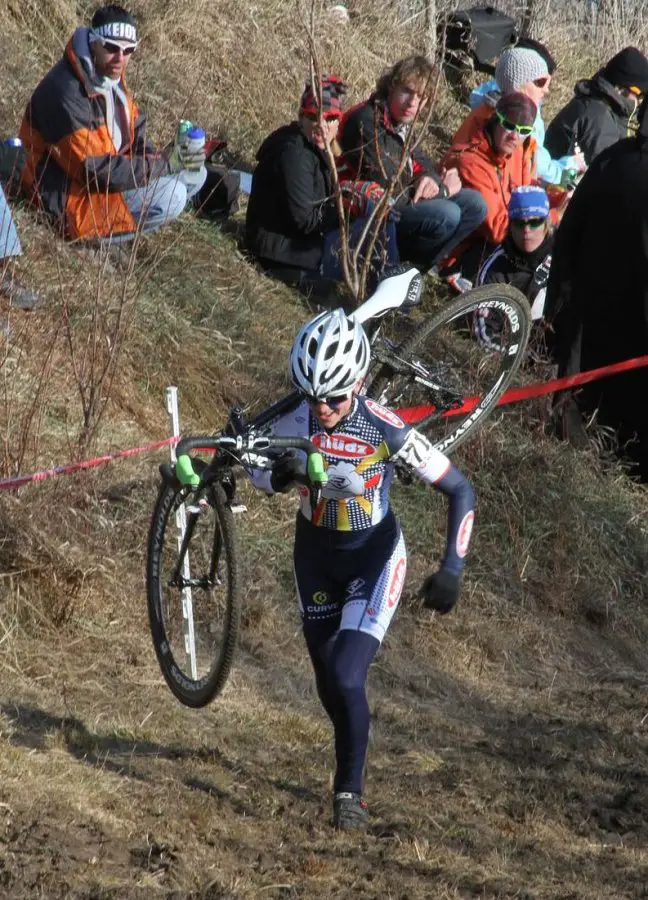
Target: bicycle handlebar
(314,477)
(244,444)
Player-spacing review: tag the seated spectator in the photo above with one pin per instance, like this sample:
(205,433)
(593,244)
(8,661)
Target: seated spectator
(601,109)
(524,258)
(435,212)
(527,68)
(597,296)
(495,161)
(89,166)
(292,224)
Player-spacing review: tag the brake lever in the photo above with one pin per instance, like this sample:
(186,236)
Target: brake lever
(314,477)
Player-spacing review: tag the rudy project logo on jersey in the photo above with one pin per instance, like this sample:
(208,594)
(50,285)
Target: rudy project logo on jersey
(320,598)
(385,414)
(343,445)
(343,482)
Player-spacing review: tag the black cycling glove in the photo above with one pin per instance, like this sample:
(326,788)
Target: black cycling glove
(284,472)
(441,591)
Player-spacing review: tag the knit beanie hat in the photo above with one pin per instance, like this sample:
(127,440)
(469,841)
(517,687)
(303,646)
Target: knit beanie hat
(333,89)
(528,202)
(113,23)
(517,108)
(517,66)
(629,68)
(532,44)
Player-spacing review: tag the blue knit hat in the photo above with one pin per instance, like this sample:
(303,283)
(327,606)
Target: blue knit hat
(528,202)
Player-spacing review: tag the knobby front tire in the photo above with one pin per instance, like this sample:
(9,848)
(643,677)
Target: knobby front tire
(213,581)
(472,347)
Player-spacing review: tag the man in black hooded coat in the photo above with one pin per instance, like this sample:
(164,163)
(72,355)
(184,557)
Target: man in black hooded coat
(597,296)
(601,109)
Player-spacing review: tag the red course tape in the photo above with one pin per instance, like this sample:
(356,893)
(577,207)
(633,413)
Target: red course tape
(18,480)
(409,414)
(413,414)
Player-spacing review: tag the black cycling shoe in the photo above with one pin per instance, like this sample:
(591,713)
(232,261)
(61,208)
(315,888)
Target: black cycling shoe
(349,811)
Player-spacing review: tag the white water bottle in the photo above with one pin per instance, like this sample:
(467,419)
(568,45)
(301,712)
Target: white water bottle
(190,140)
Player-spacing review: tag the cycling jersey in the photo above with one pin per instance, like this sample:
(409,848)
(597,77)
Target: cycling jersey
(359,455)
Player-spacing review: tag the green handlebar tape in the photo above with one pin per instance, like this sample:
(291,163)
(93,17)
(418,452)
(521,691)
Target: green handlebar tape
(185,473)
(316,470)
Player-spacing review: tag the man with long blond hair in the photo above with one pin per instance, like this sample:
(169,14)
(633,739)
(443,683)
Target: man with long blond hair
(435,212)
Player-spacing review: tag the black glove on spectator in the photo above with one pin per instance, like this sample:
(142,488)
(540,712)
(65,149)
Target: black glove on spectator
(284,472)
(441,591)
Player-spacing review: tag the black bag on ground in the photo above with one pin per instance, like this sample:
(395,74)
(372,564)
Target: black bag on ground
(481,33)
(218,197)
(12,161)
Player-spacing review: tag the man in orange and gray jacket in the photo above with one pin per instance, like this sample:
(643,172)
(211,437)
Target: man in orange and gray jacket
(498,156)
(89,165)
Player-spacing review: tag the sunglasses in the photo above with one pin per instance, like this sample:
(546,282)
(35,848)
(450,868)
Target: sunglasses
(528,223)
(542,81)
(512,126)
(331,402)
(113,49)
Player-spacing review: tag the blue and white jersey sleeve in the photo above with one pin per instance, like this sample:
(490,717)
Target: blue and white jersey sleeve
(434,467)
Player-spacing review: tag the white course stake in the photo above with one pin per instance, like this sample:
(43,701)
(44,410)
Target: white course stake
(181,525)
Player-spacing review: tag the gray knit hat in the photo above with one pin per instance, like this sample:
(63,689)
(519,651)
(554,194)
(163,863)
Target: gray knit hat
(517,66)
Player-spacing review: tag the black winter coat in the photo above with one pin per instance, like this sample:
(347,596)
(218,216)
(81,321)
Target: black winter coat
(596,117)
(372,149)
(597,295)
(528,272)
(291,206)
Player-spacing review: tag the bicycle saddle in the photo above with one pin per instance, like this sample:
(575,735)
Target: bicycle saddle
(399,289)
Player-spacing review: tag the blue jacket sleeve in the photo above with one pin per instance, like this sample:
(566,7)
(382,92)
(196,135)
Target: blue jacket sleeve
(486,92)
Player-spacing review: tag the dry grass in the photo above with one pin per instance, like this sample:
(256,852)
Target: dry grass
(509,745)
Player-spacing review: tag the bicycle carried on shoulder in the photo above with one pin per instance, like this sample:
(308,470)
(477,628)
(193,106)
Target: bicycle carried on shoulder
(192,574)
(453,366)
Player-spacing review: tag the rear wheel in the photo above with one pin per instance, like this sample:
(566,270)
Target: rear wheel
(193,591)
(457,364)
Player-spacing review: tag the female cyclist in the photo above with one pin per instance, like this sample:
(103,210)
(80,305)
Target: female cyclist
(349,553)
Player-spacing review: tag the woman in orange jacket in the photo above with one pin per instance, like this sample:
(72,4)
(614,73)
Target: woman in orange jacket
(499,157)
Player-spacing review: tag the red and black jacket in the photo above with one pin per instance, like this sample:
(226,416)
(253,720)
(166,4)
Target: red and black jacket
(372,148)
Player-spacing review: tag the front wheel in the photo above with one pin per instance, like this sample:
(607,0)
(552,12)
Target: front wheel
(451,371)
(193,591)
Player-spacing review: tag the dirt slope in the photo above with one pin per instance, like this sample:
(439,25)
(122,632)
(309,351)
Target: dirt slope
(509,749)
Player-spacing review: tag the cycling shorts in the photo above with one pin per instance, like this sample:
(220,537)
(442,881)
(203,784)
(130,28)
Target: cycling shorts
(356,589)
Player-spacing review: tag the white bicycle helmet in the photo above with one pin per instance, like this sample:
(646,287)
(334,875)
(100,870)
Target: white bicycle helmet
(329,355)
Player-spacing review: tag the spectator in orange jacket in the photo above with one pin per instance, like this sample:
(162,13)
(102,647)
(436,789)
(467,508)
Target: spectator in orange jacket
(494,161)
(89,164)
